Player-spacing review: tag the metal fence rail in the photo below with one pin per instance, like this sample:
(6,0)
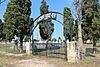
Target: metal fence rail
(56,50)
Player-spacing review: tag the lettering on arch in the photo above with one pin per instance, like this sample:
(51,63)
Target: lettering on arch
(47,16)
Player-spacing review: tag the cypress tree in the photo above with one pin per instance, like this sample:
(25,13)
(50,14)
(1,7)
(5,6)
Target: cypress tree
(17,19)
(69,26)
(46,26)
(1,29)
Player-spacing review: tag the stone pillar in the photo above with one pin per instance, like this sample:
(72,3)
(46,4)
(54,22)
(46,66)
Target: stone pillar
(28,48)
(71,52)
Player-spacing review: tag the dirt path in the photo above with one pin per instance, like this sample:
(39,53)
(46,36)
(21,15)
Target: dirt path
(47,62)
(31,63)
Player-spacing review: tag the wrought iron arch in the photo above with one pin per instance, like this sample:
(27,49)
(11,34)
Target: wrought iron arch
(34,26)
(37,23)
(2,1)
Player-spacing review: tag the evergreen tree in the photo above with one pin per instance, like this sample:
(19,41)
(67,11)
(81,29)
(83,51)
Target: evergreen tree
(91,17)
(9,21)
(69,26)
(1,29)
(46,26)
(17,19)
(59,39)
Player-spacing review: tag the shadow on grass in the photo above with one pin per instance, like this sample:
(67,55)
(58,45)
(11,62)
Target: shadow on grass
(56,57)
(41,52)
(89,52)
(98,46)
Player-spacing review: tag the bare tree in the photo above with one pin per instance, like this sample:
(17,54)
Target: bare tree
(78,6)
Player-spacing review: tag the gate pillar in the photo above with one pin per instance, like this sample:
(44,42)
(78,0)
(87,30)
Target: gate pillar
(28,48)
(71,52)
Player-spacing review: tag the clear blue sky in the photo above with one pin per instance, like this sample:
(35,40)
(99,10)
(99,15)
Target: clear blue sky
(54,5)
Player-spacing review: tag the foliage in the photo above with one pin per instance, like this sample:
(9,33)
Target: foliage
(54,39)
(9,24)
(91,19)
(69,26)
(46,27)
(59,38)
(17,19)
(1,28)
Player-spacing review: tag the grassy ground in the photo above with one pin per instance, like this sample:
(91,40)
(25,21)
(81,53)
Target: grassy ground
(7,48)
(91,60)
(5,60)
(10,48)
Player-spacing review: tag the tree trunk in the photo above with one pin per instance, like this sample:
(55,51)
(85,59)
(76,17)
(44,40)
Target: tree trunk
(80,41)
(65,43)
(16,47)
(21,44)
(47,47)
(69,38)
(94,44)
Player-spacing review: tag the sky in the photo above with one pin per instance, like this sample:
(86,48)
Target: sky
(54,5)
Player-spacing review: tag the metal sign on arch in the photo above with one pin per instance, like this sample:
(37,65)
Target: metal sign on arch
(46,16)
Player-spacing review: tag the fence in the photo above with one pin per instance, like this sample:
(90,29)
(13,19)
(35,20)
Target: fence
(56,50)
(10,47)
(7,47)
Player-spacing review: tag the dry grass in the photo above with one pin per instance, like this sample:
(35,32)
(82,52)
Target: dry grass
(91,60)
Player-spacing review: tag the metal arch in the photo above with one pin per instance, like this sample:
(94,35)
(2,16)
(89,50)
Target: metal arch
(2,1)
(47,13)
(39,22)
(42,15)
